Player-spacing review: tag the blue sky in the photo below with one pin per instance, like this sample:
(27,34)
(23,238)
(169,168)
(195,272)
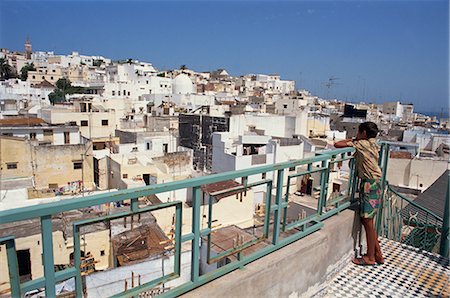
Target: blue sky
(379,50)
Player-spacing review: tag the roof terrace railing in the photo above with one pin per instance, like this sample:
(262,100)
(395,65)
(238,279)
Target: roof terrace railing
(276,230)
(405,221)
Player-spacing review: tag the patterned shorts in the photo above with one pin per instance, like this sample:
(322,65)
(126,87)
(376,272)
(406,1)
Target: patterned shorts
(370,197)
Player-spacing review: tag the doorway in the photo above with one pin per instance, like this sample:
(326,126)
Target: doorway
(24,261)
(146,178)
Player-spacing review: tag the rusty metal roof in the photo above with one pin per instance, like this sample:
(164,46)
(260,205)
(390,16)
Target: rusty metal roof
(22,122)
(222,186)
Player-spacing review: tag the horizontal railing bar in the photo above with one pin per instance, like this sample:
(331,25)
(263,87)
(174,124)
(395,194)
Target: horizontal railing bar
(298,223)
(187,237)
(34,211)
(234,250)
(337,151)
(5,239)
(274,207)
(334,211)
(32,284)
(307,172)
(341,159)
(126,213)
(40,282)
(134,292)
(336,200)
(240,187)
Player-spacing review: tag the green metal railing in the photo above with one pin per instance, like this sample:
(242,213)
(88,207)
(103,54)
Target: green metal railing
(275,223)
(405,221)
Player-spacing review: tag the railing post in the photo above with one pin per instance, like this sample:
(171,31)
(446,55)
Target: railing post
(445,234)
(47,255)
(178,227)
(77,261)
(277,214)
(385,160)
(384,163)
(195,255)
(13,265)
(286,200)
(323,186)
(267,211)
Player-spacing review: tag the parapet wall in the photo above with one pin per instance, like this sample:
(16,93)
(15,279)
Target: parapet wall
(297,270)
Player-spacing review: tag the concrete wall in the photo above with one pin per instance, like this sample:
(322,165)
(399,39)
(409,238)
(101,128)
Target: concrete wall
(415,173)
(14,150)
(298,269)
(95,127)
(46,164)
(55,165)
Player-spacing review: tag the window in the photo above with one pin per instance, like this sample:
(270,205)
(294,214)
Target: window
(51,78)
(292,169)
(48,132)
(129,93)
(34,77)
(84,123)
(77,165)
(149,146)
(102,253)
(118,93)
(104,122)
(66,137)
(285,106)
(124,176)
(53,70)
(43,77)
(113,93)
(11,165)
(32,136)
(263,175)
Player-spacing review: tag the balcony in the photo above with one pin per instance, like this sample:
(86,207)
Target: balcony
(128,251)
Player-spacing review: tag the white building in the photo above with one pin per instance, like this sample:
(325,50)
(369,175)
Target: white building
(94,120)
(270,125)
(36,129)
(396,111)
(251,150)
(16,95)
(272,84)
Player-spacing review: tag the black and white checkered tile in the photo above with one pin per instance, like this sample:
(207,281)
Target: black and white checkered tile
(407,272)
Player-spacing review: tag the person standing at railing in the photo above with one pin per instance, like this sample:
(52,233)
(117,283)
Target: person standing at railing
(366,158)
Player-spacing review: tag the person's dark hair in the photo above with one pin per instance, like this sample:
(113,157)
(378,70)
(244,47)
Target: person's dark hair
(370,128)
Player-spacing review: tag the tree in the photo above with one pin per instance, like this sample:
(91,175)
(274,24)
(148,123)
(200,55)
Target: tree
(64,84)
(24,71)
(97,62)
(183,67)
(57,96)
(63,87)
(6,70)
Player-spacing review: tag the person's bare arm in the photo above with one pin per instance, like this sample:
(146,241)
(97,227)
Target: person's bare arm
(343,143)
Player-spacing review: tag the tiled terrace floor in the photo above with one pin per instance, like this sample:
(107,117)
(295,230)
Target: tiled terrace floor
(407,272)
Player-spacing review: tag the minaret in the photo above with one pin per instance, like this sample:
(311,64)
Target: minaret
(28,49)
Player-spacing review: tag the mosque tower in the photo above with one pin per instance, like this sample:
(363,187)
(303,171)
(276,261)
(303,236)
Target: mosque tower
(28,49)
